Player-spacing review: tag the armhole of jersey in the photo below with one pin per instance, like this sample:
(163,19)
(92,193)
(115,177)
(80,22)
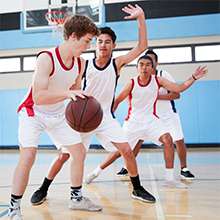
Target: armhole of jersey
(51,57)
(115,67)
(84,74)
(85,69)
(156,78)
(79,65)
(132,85)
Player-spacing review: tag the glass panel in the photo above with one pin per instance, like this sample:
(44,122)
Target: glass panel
(10,65)
(174,55)
(29,63)
(203,53)
(88,56)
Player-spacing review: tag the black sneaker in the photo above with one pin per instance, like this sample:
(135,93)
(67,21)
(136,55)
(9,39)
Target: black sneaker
(122,172)
(143,195)
(38,197)
(186,174)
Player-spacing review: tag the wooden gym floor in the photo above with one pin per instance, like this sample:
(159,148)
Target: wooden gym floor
(201,201)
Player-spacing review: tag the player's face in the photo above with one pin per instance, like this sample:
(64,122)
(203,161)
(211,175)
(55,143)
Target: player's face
(104,46)
(154,60)
(83,43)
(145,67)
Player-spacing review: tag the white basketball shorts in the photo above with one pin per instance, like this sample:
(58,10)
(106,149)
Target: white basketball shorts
(30,129)
(108,131)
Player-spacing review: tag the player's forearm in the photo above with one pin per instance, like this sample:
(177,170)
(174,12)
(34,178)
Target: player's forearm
(185,85)
(45,97)
(142,33)
(169,96)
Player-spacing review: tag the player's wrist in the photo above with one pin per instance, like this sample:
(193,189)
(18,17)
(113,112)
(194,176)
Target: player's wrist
(194,78)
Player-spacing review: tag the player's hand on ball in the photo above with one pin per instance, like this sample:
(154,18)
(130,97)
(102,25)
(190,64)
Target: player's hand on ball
(74,93)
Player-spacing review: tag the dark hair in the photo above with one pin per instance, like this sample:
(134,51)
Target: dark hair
(80,25)
(109,31)
(146,58)
(152,52)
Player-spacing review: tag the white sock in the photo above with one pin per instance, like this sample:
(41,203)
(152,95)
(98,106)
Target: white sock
(169,176)
(185,169)
(97,170)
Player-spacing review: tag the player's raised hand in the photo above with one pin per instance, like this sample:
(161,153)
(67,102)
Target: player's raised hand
(133,11)
(200,72)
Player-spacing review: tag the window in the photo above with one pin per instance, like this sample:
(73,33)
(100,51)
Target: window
(174,55)
(29,63)
(203,53)
(88,55)
(10,65)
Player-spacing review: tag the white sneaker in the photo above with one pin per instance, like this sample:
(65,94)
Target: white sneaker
(90,177)
(84,204)
(174,184)
(15,214)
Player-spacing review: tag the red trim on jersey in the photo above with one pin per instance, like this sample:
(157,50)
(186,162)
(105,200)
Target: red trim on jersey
(139,81)
(155,102)
(157,81)
(79,64)
(51,56)
(130,99)
(28,105)
(61,62)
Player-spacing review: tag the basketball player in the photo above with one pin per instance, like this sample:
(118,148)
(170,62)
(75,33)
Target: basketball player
(166,111)
(100,81)
(57,77)
(142,122)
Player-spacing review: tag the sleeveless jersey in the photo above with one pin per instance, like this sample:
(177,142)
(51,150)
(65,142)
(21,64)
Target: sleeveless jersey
(165,106)
(101,83)
(61,78)
(142,99)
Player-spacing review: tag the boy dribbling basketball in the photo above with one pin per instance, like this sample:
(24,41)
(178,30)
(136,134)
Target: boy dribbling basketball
(57,70)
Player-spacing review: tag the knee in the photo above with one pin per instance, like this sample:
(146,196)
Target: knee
(63,157)
(167,140)
(27,158)
(127,152)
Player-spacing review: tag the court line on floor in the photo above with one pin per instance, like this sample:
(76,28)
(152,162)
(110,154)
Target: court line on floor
(3,213)
(158,206)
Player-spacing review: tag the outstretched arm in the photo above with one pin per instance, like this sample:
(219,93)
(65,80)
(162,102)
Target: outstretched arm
(123,95)
(169,96)
(138,13)
(199,73)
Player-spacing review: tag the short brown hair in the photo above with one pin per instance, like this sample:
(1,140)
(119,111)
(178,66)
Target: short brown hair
(80,25)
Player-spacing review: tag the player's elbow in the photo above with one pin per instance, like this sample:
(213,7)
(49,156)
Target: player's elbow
(142,46)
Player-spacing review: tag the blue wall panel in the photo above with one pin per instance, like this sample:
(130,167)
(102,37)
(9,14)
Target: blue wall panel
(198,107)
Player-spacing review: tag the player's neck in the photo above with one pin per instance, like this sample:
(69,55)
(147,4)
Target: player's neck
(101,61)
(143,79)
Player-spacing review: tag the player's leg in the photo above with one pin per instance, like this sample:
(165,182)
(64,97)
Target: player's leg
(138,191)
(124,171)
(69,141)
(170,181)
(20,180)
(39,196)
(77,200)
(182,154)
(29,132)
(112,156)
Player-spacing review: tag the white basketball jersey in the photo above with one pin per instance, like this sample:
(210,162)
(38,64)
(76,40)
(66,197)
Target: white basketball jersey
(61,78)
(165,106)
(142,99)
(101,83)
